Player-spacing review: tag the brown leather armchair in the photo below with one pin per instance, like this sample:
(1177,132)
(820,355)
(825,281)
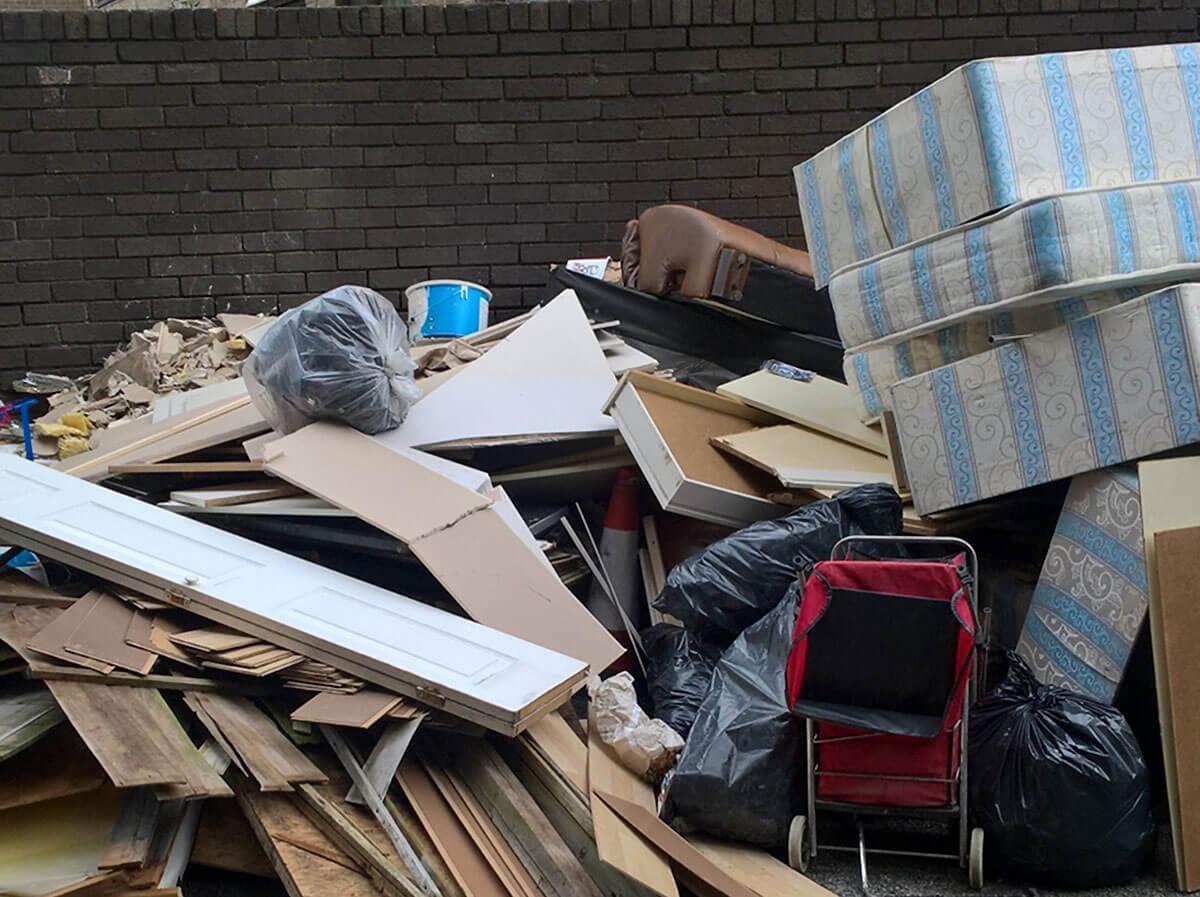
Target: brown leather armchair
(672,248)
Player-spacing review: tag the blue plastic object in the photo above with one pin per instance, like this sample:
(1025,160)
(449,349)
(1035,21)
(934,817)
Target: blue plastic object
(446,308)
(21,407)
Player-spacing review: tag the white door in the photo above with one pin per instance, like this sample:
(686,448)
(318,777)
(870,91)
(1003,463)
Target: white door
(368,631)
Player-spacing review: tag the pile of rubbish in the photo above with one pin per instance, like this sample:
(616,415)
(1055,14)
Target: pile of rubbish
(631,593)
(170,357)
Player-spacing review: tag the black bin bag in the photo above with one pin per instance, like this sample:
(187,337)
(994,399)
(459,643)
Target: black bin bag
(741,772)
(1059,786)
(679,668)
(732,583)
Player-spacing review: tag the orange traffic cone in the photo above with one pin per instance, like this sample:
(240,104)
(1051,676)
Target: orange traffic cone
(619,556)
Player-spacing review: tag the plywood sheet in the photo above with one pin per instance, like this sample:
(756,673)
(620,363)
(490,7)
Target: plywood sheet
(61,766)
(224,840)
(462,538)
(820,404)
(804,459)
(549,377)
(398,643)
(617,843)
(1170,500)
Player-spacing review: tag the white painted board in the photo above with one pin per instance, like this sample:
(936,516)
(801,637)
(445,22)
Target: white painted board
(386,638)
(548,377)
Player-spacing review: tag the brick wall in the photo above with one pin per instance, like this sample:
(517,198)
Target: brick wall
(157,163)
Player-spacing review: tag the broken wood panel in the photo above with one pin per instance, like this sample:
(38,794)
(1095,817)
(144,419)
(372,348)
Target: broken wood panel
(616,843)
(273,760)
(17,588)
(483,830)
(453,841)
(804,459)
(307,862)
(224,840)
(757,869)
(27,714)
(554,866)
(232,494)
(494,679)
(136,738)
(132,834)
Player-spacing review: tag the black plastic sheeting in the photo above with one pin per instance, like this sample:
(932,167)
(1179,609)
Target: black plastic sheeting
(741,773)
(1059,785)
(717,593)
(679,669)
(790,300)
(734,342)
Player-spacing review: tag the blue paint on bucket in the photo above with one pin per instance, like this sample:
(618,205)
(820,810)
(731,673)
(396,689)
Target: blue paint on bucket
(446,308)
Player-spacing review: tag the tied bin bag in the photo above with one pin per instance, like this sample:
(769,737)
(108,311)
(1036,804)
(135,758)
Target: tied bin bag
(1059,785)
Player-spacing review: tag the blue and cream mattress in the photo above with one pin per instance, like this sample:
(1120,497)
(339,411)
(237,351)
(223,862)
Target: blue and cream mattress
(1031,254)
(995,132)
(870,373)
(1115,386)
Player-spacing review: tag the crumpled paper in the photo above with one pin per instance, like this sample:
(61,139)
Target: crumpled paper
(646,746)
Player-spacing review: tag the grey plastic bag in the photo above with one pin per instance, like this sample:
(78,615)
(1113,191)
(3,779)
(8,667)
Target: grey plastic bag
(341,356)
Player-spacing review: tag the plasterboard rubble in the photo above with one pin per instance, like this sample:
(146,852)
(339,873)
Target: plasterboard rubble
(191,664)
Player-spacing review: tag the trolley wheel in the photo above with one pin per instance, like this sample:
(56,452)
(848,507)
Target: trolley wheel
(975,860)
(799,850)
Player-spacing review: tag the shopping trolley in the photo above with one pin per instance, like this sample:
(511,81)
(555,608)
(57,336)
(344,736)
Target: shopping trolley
(882,668)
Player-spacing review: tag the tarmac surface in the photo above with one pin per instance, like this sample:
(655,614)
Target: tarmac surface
(902,877)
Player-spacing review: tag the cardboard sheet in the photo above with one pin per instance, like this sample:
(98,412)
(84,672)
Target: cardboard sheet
(1091,598)
(547,378)
(1116,386)
(994,132)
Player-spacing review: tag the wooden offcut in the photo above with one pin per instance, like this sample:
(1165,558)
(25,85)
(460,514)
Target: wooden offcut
(357,711)
(616,842)
(273,760)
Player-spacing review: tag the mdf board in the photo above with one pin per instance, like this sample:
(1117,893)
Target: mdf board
(1170,501)
(411,648)
(1178,665)
(820,404)
(616,842)
(234,493)
(667,427)
(547,378)
(466,540)
(805,459)
(357,711)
